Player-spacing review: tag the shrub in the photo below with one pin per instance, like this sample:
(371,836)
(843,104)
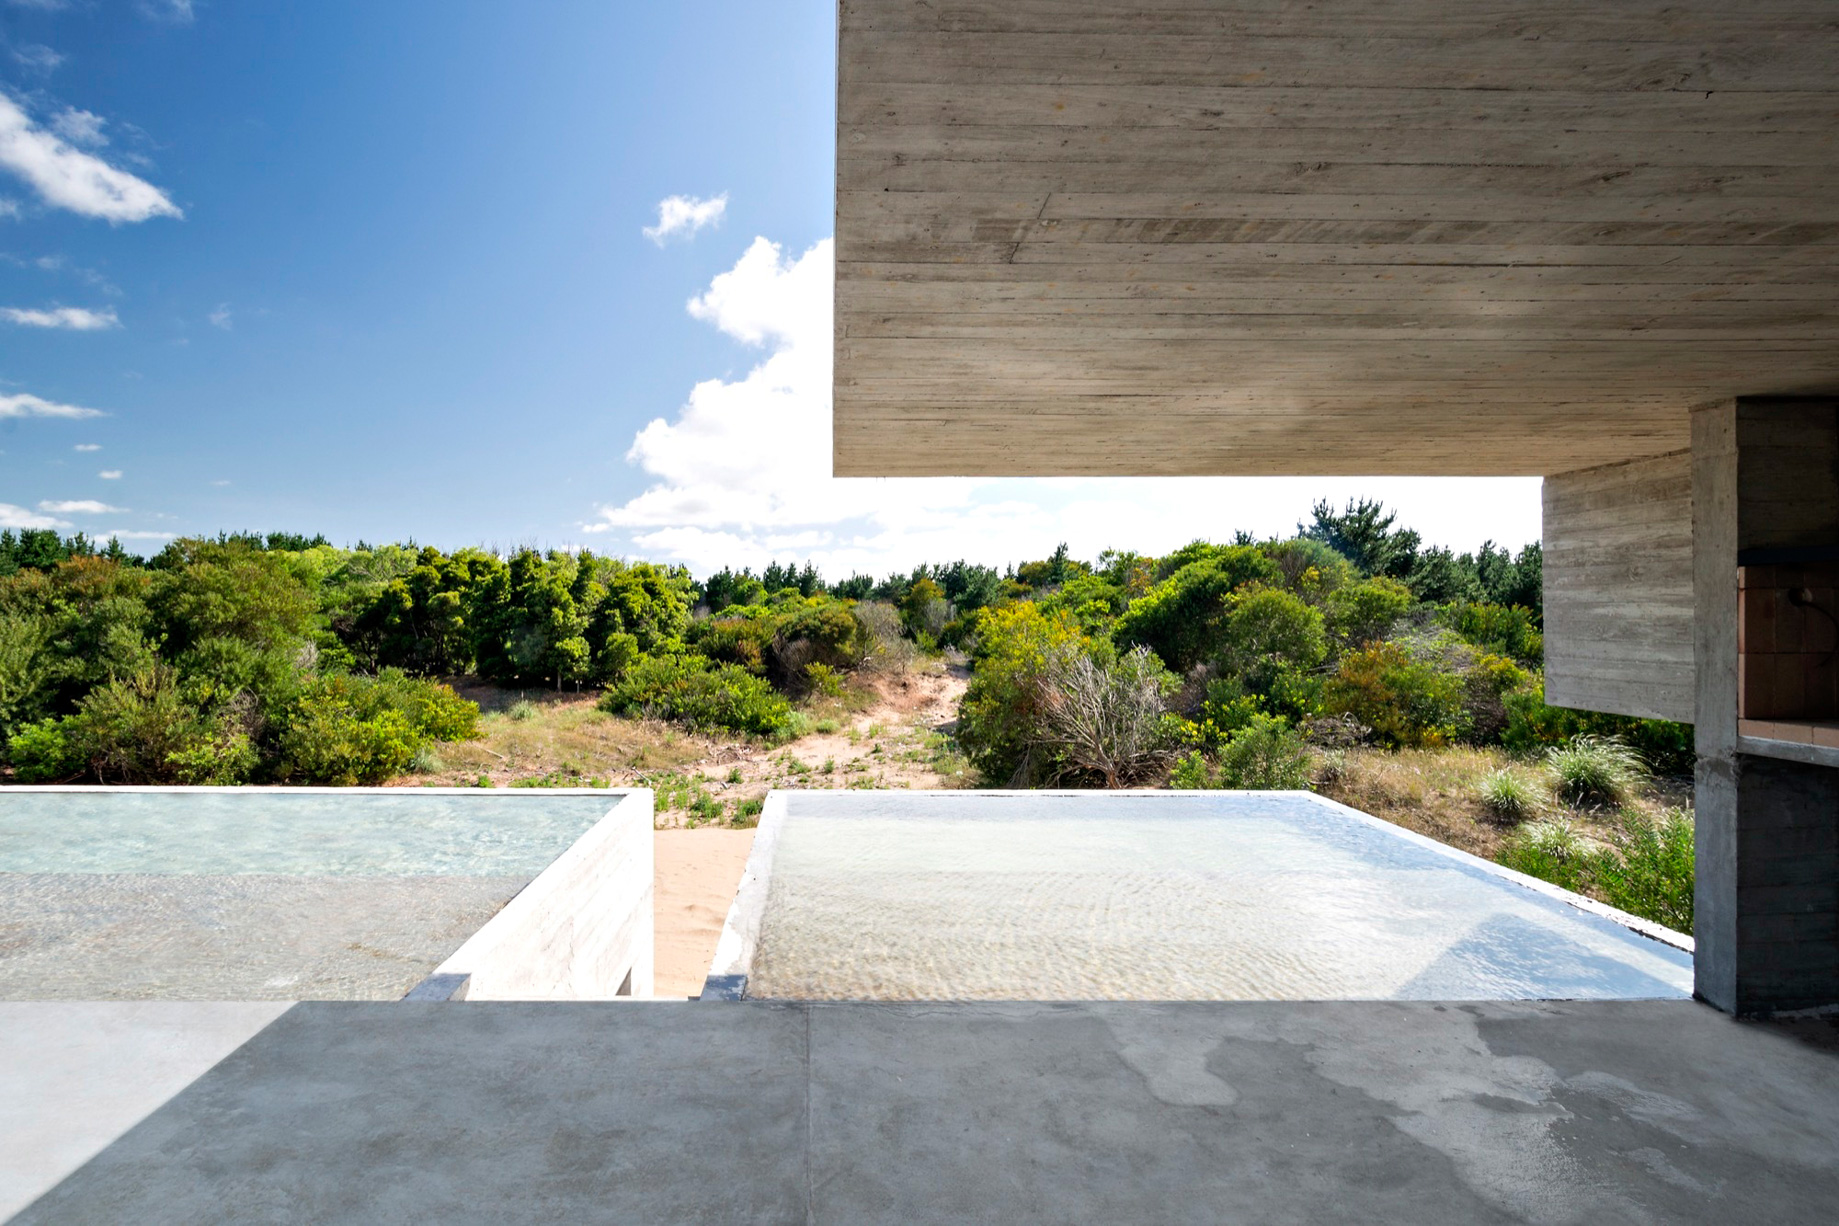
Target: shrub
(1192,773)
(25,672)
(345,729)
(1183,618)
(1594,771)
(1665,746)
(1267,753)
(743,641)
(42,753)
(1000,717)
(1269,631)
(824,681)
(1509,796)
(1550,851)
(1505,630)
(1102,716)
(522,709)
(1405,701)
(1648,869)
(143,729)
(1486,683)
(1365,612)
(330,740)
(694,691)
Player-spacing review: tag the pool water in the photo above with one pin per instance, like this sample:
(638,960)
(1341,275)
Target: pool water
(260,893)
(398,832)
(1227,896)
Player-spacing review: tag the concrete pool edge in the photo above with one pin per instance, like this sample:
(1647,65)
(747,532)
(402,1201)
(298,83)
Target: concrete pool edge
(557,938)
(732,966)
(740,938)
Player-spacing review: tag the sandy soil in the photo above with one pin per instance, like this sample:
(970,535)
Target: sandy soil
(697,874)
(882,734)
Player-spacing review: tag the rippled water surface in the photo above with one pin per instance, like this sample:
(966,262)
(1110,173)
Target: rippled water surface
(407,832)
(1228,897)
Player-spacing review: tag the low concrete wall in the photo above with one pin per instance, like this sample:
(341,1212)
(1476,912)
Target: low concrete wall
(582,930)
(734,952)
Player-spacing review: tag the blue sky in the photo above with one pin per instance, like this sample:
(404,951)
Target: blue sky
(382,271)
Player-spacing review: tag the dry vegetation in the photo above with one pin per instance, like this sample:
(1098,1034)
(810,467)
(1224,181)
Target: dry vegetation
(883,731)
(1437,792)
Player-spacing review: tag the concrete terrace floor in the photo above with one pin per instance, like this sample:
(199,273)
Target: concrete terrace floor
(764,1112)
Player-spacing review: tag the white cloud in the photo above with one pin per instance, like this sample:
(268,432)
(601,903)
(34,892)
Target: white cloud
(79,506)
(18,517)
(220,318)
(178,12)
(741,474)
(22,404)
(131,534)
(87,447)
(77,319)
(80,127)
(70,178)
(37,57)
(110,474)
(685,215)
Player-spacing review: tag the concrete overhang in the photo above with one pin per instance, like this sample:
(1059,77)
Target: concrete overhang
(1349,237)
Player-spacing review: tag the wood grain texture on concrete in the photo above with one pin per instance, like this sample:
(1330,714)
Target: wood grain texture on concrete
(1618,588)
(1189,237)
(1344,1112)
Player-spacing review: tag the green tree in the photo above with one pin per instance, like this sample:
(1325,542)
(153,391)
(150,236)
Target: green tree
(1183,618)
(1364,535)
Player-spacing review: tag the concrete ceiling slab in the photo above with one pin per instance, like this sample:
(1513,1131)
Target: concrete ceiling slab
(1351,237)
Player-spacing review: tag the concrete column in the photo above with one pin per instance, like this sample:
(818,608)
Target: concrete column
(1765,492)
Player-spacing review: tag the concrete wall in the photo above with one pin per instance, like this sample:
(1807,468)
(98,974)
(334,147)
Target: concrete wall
(1618,588)
(580,930)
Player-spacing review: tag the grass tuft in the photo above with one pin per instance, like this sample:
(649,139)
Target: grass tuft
(1594,772)
(1508,796)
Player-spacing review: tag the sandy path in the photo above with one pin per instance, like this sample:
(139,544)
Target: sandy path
(698,872)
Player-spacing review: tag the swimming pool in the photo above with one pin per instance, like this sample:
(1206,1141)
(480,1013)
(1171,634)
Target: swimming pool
(313,893)
(1155,896)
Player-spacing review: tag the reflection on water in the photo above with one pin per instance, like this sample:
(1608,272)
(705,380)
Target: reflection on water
(1228,897)
(407,832)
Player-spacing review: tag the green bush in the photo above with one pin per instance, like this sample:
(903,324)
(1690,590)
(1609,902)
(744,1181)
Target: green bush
(522,709)
(1486,684)
(1594,771)
(1648,869)
(143,729)
(1268,631)
(695,691)
(1665,746)
(1001,717)
(1509,795)
(1365,612)
(1550,851)
(1183,618)
(42,753)
(1267,753)
(26,679)
(345,730)
(1502,629)
(1192,773)
(1404,700)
